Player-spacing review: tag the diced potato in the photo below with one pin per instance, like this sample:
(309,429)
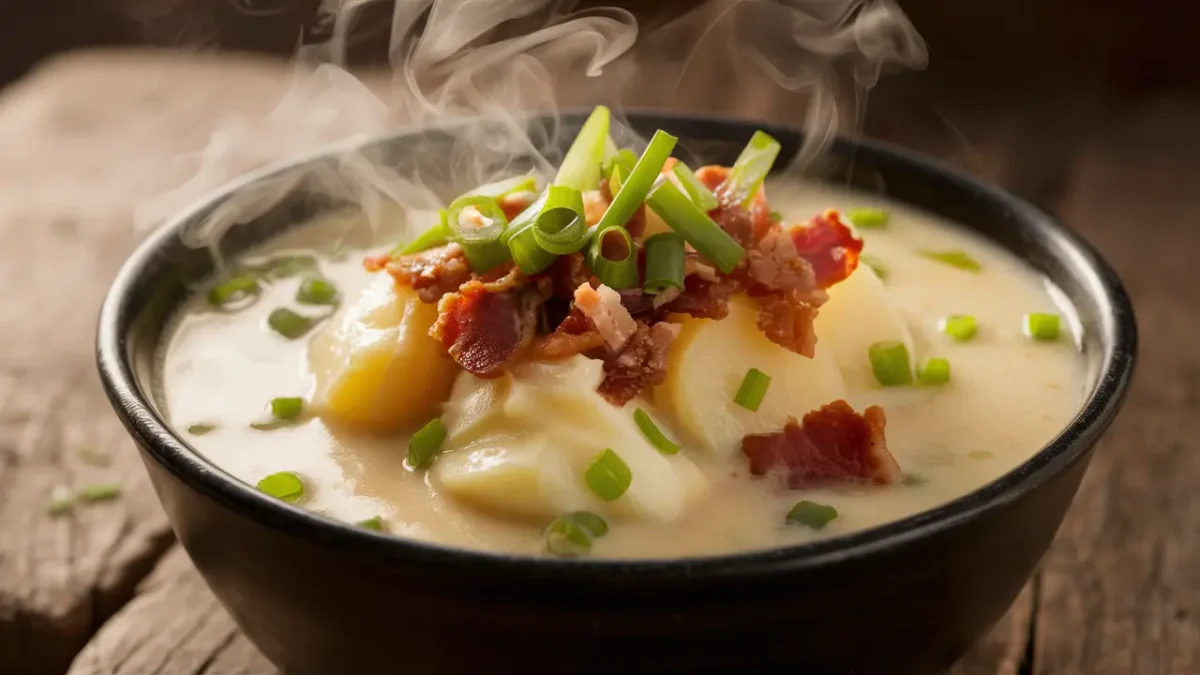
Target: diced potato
(375,365)
(706,367)
(857,314)
(525,454)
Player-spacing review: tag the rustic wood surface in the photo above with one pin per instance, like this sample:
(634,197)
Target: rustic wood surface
(102,590)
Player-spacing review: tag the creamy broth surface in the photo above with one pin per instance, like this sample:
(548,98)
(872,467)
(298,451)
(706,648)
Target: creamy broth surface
(1007,398)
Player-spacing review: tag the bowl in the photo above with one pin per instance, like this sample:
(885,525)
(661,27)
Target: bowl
(321,597)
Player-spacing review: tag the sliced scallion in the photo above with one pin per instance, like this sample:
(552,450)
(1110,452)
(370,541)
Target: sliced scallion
(592,522)
(614,272)
(567,538)
(561,226)
(889,362)
(283,485)
(753,390)
(61,502)
(958,259)
(875,264)
(622,166)
(777,216)
(699,192)
(438,235)
(961,327)
(1044,327)
(869,219)
(476,223)
(752,167)
(581,165)
(101,492)
(811,514)
(373,523)
(640,180)
(233,290)
(502,188)
(528,256)
(201,428)
(425,443)
(287,407)
(933,371)
(665,262)
(608,476)
(316,291)
(286,267)
(653,434)
(290,324)
(694,225)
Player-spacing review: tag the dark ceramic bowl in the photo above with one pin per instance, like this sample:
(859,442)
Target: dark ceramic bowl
(323,598)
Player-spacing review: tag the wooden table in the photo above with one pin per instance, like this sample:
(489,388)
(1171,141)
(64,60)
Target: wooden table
(89,140)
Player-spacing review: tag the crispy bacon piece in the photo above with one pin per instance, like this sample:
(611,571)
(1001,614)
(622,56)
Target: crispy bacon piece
(603,306)
(773,265)
(830,247)
(575,335)
(433,273)
(374,263)
(485,325)
(745,225)
(514,203)
(641,363)
(703,299)
(787,320)
(833,444)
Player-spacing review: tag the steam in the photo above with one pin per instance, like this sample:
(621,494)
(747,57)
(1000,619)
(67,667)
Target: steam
(497,62)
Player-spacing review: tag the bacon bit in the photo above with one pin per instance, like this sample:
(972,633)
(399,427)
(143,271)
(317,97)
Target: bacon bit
(712,175)
(566,273)
(595,203)
(829,245)
(692,264)
(575,335)
(703,299)
(670,164)
(745,225)
(433,273)
(513,203)
(787,320)
(735,220)
(636,302)
(603,306)
(834,444)
(642,363)
(374,263)
(636,223)
(485,325)
(773,265)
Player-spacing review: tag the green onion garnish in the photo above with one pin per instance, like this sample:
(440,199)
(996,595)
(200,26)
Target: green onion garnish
(316,291)
(233,289)
(572,534)
(695,226)
(875,264)
(957,259)
(869,219)
(811,514)
(753,390)
(101,492)
(590,521)
(889,361)
(425,443)
(61,501)
(503,188)
(581,165)
(665,262)
(287,407)
(284,485)
(751,167)
(290,324)
(479,235)
(777,216)
(561,226)
(438,235)
(639,181)
(620,273)
(699,192)
(961,327)
(372,523)
(653,434)
(1042,326)
(521,242)
(286,267)
(608,476)
(933,371)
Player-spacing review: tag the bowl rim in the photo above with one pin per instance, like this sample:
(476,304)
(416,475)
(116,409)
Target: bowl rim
(172,452)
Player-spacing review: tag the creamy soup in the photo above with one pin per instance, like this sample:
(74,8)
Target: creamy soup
(522,445)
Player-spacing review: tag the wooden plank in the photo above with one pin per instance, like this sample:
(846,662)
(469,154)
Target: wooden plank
(1121,587)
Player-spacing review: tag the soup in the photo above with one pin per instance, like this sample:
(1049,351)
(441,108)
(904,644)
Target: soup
(674,406)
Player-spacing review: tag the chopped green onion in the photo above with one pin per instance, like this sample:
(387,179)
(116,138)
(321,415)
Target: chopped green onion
(961,327)
(425,443)
(372,523)
(287,407)
(561,227)
(61,501)
(617,274)
(580,167)
(933,371)
(567,538)
(286,267)
(316,291)
(201,428)
(480,239)
(1042,326)
(653,434)
(233,289)
(503,188)
(608,476)
(777,216)
(622,166)
(889,362)
(522,244)
(697,191)
(811,514)
(869,219)
(101,492)
(751,167)
(438,235)
(94,457)
(753,390)
(683,216)
(665,262)
(639,181)
(284,485)
(875,264)
(957,259)
(290,324)
(591,522)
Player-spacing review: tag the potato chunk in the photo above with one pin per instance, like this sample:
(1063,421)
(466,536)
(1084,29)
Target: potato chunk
(708,362)
(376,367)
(858,314)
